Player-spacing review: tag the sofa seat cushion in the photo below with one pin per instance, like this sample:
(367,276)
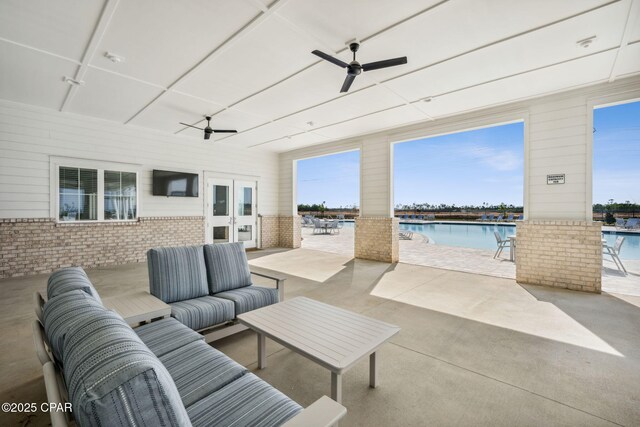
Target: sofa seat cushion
(200,313)
(164,336)
(227,266)
(69,279)
(250,298)
(62,311)
(114,379)
(199,370)
(177,274)
(248,401)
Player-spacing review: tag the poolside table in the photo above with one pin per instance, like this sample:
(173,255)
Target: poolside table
(330,336)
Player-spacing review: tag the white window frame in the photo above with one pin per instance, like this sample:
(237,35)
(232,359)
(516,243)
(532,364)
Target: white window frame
(55,163)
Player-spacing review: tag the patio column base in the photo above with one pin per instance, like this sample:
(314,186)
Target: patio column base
(376,238)
(560,254)
(280,231)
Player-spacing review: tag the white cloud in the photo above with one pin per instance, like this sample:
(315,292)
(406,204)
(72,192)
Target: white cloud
(500,160)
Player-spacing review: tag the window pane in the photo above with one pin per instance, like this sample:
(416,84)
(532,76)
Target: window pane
(245,233)
(88,194)
(221,234)
(220,200)
(244,202)
(78,194)
(120,195)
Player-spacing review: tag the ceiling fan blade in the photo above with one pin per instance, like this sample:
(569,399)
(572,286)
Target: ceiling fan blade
(225,131)
(207,135)
(347,82)
(384,64)
(191,126)
(330,59)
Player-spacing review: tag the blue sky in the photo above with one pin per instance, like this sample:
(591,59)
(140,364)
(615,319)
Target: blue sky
(483,165)
(616,153)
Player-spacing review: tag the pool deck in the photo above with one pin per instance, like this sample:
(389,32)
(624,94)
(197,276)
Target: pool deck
(479,261)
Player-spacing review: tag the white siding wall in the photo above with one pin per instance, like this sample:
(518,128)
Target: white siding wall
(557,139)
(30,135)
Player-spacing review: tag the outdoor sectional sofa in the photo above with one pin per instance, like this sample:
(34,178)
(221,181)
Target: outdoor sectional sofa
(161,373)
(208,286)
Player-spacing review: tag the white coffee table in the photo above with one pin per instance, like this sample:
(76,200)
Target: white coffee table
(138,307)
(330,336)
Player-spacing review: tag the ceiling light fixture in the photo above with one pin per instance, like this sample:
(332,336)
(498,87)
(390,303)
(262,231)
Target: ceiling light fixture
(116,59)
(586,43)
(72,82)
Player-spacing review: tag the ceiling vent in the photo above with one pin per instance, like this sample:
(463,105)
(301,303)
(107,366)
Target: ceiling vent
(586,43)
(116,59)
(72,82)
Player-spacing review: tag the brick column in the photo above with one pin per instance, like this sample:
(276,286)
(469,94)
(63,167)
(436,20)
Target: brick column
(290,231)
(376,238)
(269,231)
(561,254)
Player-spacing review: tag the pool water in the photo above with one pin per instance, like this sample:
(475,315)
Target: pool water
(480,236)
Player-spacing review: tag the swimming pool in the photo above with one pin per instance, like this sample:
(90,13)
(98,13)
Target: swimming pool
(480,236)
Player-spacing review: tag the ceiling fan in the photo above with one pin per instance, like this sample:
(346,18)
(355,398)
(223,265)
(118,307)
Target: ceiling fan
(354,68)
(208,130)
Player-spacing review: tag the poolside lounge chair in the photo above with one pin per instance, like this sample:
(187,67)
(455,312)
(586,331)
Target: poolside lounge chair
(413,217)
(500,218)
(482,218)
(333,227)
(501,244)
(431,217)
(420,217)
(405,216)
(632,223)
(614,252)
(620,222)
(490,217)
(510,217)
(318,226)
(405,235)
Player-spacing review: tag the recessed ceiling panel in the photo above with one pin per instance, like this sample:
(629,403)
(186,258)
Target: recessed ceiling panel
(536,49)
(300,140)
(162,39)
(31,77)
(629,61)
(354,104)
(572,74)
(260,134)
(63,27)
(173,108)
(336,22)
(111,97)
(374,122)
(263,57)
(314,86)
(456,27)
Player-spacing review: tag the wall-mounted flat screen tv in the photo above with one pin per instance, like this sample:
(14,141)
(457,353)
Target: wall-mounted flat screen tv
(175,184)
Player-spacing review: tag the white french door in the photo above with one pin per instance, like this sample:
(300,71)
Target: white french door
(231,211)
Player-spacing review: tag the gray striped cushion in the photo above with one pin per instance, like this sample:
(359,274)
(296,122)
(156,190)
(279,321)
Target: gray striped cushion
(166,335)
(250,297)
(177,274)
(200,313)
(110,374)
(69,279)
(59,313)
(199,370)
(248,401)
(227,266)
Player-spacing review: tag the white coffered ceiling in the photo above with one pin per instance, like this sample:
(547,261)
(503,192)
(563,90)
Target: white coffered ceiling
(249,63)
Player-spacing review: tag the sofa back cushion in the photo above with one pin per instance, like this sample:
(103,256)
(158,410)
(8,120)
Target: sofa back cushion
(113,378)
(69,279)
(60,312)
(227,266)
(177,274)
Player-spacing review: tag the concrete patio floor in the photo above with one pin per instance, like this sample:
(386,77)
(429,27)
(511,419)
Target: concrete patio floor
(473,349)
(478,261)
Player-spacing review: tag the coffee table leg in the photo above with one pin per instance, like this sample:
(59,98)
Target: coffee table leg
(262,351)
(373,371)
(336,387)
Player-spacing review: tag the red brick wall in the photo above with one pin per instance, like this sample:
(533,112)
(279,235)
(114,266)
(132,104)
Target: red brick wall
(33,246)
